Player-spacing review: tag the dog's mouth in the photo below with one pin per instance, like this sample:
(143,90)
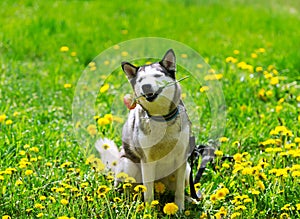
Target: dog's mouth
(152,96)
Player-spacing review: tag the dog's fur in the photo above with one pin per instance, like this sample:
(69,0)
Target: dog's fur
(156,136)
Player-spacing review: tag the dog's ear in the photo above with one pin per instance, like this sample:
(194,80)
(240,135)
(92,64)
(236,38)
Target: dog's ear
(169,61)
(129,69)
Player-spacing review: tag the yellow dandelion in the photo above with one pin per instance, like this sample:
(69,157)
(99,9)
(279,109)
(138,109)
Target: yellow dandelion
(34,149)
(124,53)
(122,175)
(259,69)
(231,59)
(39,206)
(2,117)
(64,201)
(213,198)
(184,56)
(28,172)
(103,121)
(73,54)
(204,88)
(18,182)
(140,188)
(170,208)
(225,165)
(92,129)
(64,49)
(40,215)
(127,185)
(102,190)
(274,81)
(235,215)
(8,122)
(240,207)
(22,153)
(236,52)
(104,88)
(261,185)
(199,66)
(284,216)
(67,86)
(187,213)
(43,198)
(147,216)
(220,194)
(238,157)
(154,203)
(254,55)
(140,207)
(159,187)
(278,108)
(116,47)
(223,139)
(218,153)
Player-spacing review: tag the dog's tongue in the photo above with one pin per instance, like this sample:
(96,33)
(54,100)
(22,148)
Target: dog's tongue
(129,101)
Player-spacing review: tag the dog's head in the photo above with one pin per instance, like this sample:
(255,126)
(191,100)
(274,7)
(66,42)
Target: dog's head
(154,84)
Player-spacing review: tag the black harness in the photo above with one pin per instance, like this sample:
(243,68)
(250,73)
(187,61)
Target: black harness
(208,154)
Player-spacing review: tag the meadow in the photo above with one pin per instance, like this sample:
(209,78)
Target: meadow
(253,50)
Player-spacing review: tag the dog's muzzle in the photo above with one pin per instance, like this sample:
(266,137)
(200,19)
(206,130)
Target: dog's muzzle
(149,93)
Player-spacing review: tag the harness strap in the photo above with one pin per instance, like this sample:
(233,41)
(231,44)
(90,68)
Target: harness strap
(208,154)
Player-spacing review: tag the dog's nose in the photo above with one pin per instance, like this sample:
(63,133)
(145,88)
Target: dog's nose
(147,89)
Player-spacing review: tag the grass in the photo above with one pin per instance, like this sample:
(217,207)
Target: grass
(44,172)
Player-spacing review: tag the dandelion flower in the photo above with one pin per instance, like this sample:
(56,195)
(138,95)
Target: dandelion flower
(64,49)
(154,203)
(67,86)
(170,208)
(127,185)
(204,88)
(102,190)
(140,188)
(64,201)
(28,172)
(274,81)
(236,52)
(43,198)
(39,206)
(223,139)
(213,198)
(159,187)
(34,149)
(184,56)
(92,129)
(104,88)
(2,117)
(8,122)
(40,215)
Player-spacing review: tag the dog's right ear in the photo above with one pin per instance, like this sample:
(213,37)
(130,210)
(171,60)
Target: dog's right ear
(129,69)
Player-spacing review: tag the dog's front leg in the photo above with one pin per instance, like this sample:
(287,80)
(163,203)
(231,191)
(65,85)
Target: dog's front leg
(148,174)
(180,185)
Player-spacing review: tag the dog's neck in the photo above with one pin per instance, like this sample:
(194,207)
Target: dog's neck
(166,118)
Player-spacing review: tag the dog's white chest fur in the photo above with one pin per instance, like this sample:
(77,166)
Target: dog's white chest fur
(161,141)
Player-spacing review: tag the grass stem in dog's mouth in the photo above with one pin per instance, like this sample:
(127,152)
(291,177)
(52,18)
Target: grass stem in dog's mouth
(152,96)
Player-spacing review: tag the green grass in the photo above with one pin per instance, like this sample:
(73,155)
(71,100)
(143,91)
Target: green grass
(33,97)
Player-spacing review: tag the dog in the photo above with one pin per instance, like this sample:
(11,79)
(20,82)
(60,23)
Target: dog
(155,137)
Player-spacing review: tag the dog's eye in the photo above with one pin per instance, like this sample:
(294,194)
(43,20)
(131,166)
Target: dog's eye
(157,75)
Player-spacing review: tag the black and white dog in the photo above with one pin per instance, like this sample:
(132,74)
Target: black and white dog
(156,134)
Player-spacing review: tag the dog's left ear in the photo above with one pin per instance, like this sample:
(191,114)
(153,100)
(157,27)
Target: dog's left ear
(169,62)
(129,69)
